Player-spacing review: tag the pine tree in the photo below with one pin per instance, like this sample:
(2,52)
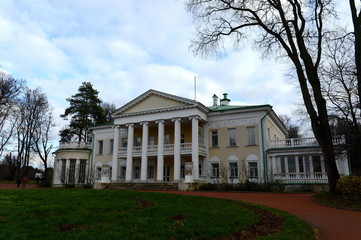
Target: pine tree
(85,110)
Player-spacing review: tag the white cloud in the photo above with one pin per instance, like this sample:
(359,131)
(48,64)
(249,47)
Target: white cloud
(125,48)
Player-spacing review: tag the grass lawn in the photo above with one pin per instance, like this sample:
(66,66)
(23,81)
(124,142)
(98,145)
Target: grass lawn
(337,201)
(113,214)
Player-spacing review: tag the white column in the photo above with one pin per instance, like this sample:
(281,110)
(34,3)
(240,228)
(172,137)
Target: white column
(177,146)
(115,154)
(67,166)
(160,159)
(311,167)
(297,162)
(195,148)
(56,172)
(129,170)
(144,163)
(77,167)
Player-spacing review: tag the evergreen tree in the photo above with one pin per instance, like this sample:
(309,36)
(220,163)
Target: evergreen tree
(85,110)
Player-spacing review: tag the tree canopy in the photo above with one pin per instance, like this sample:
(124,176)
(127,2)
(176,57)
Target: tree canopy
(85,110)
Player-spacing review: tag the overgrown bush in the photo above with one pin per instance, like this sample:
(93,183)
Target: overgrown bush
(87,186)
(45,184)
(69,185)
(350,187)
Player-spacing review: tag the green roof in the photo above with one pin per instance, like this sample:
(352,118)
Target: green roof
(234,107)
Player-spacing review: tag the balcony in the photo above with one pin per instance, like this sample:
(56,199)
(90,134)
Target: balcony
(301,178)
(168,149)
(302,142)
(75,145)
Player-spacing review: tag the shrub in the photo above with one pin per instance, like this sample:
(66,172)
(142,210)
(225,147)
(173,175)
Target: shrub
(69,185)
(87,186)
(45,184)
(350,187)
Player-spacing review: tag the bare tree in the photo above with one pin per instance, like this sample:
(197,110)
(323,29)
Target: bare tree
(41,137)
(290,29)
(9,91)
(29,110)
(292,128)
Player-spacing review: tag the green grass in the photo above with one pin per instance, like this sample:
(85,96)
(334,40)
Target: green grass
(337,201)
(107,214)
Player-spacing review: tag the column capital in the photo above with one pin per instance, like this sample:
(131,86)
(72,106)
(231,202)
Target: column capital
(129,125)
(195,117)
(144,123)
(116,126)
(178,119)
(159,121)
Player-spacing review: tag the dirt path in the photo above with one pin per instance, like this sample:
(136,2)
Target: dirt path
(14,186)
(331,223)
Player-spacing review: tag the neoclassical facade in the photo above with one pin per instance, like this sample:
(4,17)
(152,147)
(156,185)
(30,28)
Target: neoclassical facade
(159,137)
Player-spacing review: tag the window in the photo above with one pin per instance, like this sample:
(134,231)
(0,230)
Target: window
(214,139)
(82,167)
(123,172)
(110,173)
(72,171)
(215,170)
(233,167)
(182,138)
(251,136)
(100,147)
(124,142)
(252,169)
(316,160)
(232,137)
(138,142)
(300,164)
(182,171)
(200,169)
(151,141)
(111,146)
(136,172)
(150,171)
(291,164)
(62,174)
(166,139)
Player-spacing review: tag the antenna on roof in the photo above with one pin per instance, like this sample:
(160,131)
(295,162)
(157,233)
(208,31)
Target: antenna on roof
(195,88)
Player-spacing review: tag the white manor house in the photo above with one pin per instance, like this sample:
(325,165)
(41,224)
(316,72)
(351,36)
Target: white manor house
(161,138)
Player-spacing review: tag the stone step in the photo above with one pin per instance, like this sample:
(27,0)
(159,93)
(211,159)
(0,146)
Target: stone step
(144,186)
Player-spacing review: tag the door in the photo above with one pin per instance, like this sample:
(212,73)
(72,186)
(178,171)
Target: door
(166,173)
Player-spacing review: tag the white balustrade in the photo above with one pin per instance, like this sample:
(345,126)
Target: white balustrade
(302,142)
(75,145)
(309,177)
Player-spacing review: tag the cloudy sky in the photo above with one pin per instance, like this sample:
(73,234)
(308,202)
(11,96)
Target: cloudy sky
(125,48)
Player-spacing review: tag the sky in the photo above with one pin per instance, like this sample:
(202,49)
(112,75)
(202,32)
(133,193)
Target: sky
(125,48)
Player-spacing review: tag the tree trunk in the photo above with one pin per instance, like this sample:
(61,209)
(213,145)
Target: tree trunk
(356,21)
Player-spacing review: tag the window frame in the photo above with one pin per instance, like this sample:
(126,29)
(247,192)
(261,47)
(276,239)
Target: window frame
(232,137)
(214,139)
(251,136)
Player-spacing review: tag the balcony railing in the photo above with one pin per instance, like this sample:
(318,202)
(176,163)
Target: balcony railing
(302,142)
(75,145)
(301,178)
(168,149)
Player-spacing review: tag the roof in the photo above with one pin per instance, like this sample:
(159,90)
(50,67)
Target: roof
(235,107)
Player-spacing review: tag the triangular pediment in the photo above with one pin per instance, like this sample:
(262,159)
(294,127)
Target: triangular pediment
(153,100)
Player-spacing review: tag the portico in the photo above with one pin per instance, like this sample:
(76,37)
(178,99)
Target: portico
(155,144)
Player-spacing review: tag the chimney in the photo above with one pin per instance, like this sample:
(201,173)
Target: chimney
(225,101)
(215,101)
